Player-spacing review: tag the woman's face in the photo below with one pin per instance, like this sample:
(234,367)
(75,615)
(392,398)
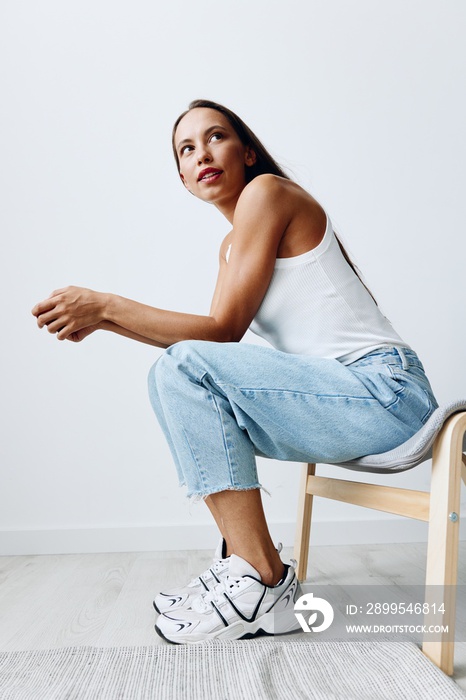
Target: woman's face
(212,157)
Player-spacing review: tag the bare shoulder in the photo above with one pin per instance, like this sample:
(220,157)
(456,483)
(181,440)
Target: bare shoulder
(265,187)
(275,190)
(282,213)
(284,205)
(265,198)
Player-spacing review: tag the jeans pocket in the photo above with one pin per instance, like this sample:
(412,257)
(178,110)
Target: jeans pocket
(380,383)
(417,393)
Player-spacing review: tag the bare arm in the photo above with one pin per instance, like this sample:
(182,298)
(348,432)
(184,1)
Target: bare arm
(261,217)
(77,336)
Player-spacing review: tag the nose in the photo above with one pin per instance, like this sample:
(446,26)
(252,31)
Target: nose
(204,156)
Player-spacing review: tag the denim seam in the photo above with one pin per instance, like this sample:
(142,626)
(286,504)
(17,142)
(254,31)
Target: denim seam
(293,392)
(211,397)
(195,460)
(225,439)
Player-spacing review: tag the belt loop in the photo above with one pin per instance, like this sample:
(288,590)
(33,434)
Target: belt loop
(404,361)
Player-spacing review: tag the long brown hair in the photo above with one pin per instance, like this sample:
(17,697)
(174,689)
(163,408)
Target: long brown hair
(265,163)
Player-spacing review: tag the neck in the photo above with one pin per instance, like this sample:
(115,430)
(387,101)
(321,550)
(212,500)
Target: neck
(227,206)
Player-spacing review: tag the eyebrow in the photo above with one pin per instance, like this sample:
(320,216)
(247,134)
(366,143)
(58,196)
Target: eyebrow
(207,131)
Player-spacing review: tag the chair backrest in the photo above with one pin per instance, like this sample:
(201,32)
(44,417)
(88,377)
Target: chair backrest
(412,452)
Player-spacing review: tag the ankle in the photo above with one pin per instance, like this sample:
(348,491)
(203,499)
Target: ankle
(270,577)
(266,561)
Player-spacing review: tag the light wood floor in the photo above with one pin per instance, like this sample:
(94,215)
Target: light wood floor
(105,600)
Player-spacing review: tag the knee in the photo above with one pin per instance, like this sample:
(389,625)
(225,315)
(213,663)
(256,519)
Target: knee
(186,356)
(177,360)
(166,373)
(157,373)
(185,350)
(190,359)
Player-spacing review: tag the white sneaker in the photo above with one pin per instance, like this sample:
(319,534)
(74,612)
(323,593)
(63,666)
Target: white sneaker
(239,607)
(181,597)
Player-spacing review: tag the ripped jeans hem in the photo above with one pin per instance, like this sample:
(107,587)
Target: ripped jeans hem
(197,496)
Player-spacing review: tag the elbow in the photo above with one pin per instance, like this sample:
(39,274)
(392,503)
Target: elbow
(226,333)
(232,338)
(228,336)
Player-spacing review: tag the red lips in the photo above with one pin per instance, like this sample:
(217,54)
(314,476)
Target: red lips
(208,171)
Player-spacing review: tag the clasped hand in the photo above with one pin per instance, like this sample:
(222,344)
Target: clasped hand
(72,312)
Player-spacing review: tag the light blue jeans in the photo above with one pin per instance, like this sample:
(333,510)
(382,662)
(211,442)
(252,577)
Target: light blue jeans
(221,404)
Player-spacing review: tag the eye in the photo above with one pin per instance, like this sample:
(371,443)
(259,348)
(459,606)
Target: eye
(216,136)
(185,149)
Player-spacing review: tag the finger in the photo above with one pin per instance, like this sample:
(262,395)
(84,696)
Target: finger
(46,318)
(36,309)
(44,306)
(73,330)
(65,332)
(57,325)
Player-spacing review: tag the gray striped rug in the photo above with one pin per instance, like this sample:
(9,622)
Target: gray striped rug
(259,670)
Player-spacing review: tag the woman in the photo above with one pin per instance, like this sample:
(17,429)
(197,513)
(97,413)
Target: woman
(338,382)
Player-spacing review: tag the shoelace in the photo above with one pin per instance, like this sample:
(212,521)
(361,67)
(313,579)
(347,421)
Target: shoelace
(202,602)
(216,566)
(219,563)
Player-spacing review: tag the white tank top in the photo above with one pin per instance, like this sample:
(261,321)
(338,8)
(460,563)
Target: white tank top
(316,305)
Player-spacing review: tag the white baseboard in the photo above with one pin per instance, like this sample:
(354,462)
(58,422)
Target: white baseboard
(201,536)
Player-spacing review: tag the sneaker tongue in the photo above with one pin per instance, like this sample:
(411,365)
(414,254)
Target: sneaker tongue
(241,567)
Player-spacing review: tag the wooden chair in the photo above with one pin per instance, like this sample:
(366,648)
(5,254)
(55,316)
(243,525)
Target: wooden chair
(442,439)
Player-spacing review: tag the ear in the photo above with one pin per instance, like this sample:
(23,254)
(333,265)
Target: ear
(184,182)
(250,156)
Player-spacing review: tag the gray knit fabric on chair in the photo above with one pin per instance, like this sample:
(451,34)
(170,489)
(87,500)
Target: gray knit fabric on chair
(412,452)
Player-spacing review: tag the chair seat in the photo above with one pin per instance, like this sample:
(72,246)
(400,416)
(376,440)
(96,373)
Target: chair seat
(412,452)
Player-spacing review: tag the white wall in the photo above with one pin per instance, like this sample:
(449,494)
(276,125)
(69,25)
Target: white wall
(363,101)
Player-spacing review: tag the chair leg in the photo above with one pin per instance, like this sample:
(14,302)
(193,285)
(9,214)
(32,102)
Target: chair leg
(442,548)
(303,526)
